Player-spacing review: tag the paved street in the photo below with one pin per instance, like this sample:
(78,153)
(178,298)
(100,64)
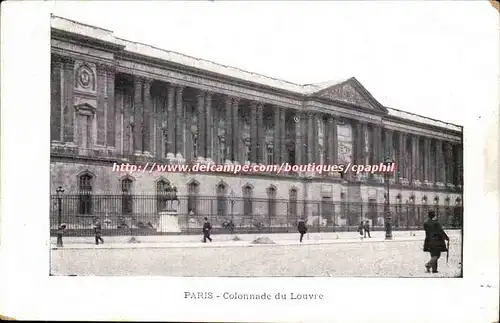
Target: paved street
(355,258)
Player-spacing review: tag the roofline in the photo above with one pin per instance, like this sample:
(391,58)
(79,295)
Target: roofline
(120,48)
(421,116)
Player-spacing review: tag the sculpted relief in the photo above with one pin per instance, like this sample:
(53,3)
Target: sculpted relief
(347,93)
(85,76)
(344,137)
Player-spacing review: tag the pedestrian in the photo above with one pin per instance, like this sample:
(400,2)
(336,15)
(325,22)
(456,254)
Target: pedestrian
(367,229)
(60,232)
(98,231)
(360,228)
(302,228)
(434,243)
(206,231)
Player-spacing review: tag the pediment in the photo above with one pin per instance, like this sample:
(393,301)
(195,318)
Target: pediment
(351,91)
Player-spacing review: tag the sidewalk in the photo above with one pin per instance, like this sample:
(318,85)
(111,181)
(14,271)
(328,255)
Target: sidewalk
(226,240)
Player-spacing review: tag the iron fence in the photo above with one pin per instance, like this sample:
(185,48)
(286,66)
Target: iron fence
(140,214)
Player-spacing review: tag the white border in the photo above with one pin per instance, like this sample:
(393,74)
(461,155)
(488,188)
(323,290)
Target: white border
(27,292)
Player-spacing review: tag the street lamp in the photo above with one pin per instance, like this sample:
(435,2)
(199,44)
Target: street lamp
(59,191)
(387,211)
(232,197)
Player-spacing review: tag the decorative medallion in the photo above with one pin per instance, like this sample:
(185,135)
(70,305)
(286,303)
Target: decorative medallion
(85,76)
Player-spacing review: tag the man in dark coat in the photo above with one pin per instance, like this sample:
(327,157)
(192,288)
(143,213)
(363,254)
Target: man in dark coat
(206,231)
(302,228)
(367,229)
(97,231)
(434,243)
(360,227)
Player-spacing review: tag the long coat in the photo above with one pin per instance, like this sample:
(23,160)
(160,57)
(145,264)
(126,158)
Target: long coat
(435,237)
(301,227)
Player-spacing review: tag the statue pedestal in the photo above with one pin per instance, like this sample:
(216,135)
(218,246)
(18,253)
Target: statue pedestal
(169,221)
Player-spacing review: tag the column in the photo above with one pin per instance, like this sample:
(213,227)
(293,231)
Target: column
(277,135)
(210,124)
(298,138)
(138,116)
(365,143)
(253,132)
(427,159)
(335,141)
(377,142)
(310,138)
(318,119)
(110,116)
(67,101)
(169,121)
(261,132)
(415,159)
(448,163)
(459,163)
(358,137)
(331,142)
(147,117)
(237,133)
(159,125)
(439,162)
(201,135)
(179,123)
(228,133)
(401,156)
(282,131)
(56,106)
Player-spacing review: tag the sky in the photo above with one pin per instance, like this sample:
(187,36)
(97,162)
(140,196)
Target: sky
(433,59)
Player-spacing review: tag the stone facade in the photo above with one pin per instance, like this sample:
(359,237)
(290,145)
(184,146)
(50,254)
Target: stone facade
(115,101)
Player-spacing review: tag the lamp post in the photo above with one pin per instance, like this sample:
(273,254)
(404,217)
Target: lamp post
(387,211)
(231,199)
(232,196)
(59,191)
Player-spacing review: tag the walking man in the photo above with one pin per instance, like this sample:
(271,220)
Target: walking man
(367,229)
(360,228)
(97,231)
(434,243)
(60,232)
(302,228)
(206,231)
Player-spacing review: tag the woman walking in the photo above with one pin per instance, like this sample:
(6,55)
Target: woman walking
(434,243)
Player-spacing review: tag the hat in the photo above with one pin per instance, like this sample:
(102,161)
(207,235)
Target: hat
(432,214)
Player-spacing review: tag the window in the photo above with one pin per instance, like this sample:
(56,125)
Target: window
(271,204)
(221,200)
(269,155)
(127,198)
(161,197)
(193,189)
(85,194)
(222,153)
(247,201)
(293,203)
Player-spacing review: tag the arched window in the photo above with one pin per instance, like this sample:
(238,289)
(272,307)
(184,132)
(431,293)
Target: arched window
(127,198)
(85,194)
(247,201)
(271,204)
(293,203)
(193,190)
(161,196)
(221,199)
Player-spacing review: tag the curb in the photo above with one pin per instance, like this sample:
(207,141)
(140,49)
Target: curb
(223,244)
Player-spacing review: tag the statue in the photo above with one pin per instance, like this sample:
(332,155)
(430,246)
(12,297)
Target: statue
(171,195)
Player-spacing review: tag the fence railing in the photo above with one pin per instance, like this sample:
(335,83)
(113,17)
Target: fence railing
(140,214)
